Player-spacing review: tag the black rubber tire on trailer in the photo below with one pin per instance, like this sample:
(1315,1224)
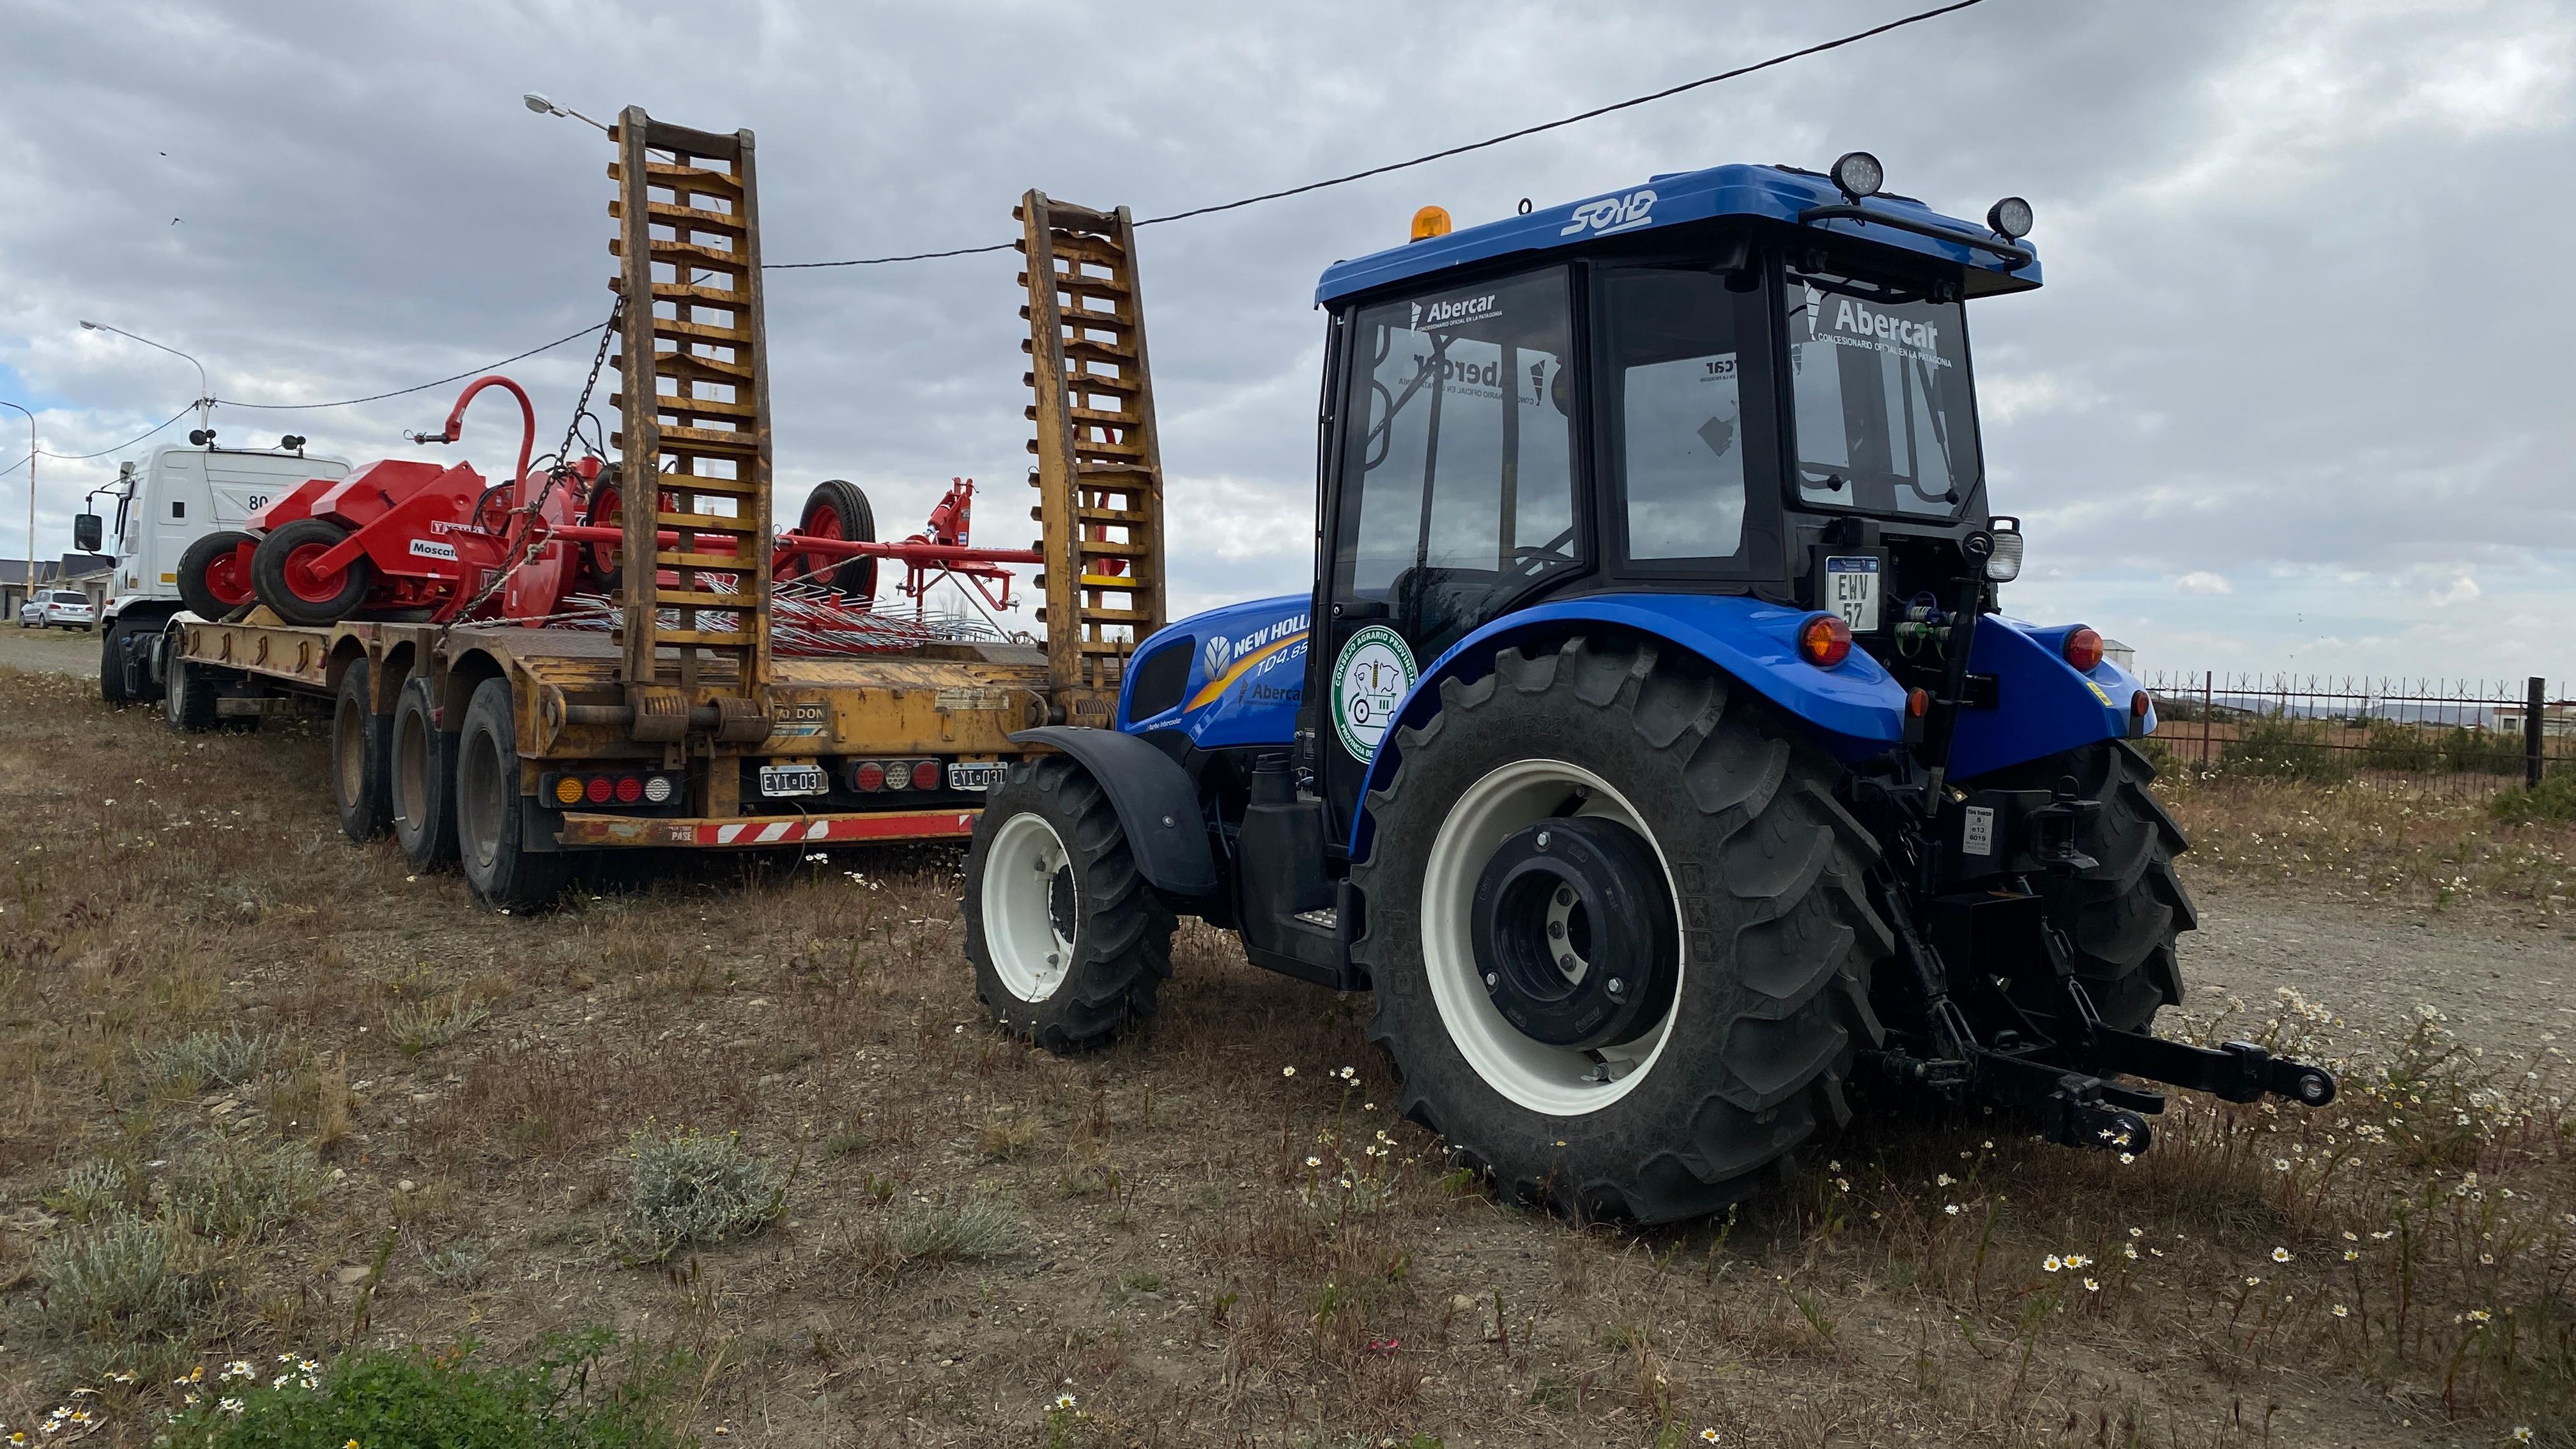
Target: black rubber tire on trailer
(421,779)
(854,579)
(361,743)
(2131,905)
(491,814)
(1779,940)
(1069,942)
(111,663)
(268,574)
(188,697)
(197,590)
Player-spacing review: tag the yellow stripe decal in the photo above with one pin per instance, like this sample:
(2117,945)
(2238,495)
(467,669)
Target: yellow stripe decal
(1222,682)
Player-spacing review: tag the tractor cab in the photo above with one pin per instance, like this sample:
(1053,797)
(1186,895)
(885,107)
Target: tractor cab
(1749,380)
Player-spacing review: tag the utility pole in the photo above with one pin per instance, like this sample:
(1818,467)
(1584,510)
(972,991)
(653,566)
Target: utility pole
(31,496)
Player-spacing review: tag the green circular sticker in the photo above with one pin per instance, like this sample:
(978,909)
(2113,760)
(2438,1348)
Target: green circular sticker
(1373,675)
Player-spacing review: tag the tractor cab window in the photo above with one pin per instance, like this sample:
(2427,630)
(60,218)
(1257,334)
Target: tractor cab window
(1886,422)
(1460,479)
(1677,443)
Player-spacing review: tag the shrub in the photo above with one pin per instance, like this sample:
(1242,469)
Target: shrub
(414,1400)
(236,1190)
(2388,745)
(2279,747)
(919,1233)
(126,1277)
(203,1058)
(2481,752)
(92,1189)
(419,1026)
(2554,799)
(694,1189)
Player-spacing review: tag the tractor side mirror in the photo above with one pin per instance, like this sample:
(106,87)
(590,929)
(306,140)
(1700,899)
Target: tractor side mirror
(87,532)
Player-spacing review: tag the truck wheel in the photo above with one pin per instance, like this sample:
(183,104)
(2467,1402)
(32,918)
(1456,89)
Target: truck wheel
(1625,986)
(360,742)
(1068,940)
(422,783)
(2130,906)
(111,664)
(214,574)
(491,814)
(282,573)
(188,697)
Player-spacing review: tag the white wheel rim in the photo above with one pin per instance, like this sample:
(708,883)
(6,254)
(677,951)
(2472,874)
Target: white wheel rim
(1533,1074)
(1020,878)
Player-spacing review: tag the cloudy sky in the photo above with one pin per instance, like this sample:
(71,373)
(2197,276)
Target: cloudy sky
(2296,397)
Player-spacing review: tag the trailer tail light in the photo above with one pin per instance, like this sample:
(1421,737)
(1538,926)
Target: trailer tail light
(600,790)
(925,775)
(869,776)
(568,790)
(629,790)
(657,790)
(1824,640)
(2083,648)
(608,788)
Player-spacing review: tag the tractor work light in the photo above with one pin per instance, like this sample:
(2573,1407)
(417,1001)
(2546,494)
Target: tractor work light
(2009,217)
(2083,648)
(1824,640)
(1857,174)
(1429,222)
(2003,550)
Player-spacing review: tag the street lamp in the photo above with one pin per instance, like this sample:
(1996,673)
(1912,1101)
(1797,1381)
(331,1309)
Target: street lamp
(205,394)
(31,495)
(544,107)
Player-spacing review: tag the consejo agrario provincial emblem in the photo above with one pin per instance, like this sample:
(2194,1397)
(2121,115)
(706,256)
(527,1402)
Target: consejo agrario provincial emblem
(1372,676)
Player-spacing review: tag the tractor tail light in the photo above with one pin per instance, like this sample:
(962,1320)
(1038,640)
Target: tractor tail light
(925,775)
(1918,702)
(2138,704)
(869,776)
(1824,640)
(2083,648)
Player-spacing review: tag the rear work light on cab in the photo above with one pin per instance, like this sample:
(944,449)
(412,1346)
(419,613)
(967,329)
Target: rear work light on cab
(1824,640)
(2083,648)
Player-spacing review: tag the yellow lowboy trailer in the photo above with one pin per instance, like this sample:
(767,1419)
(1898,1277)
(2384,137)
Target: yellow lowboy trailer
(513,748)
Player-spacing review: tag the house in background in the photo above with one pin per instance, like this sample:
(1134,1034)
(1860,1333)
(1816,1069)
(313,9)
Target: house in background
(91,573)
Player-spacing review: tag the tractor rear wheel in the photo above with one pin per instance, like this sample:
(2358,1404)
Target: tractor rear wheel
(491,814)
(360,742)
(1618,931)
(283,573)
(1069,941)
(422,783)
(2131,905)
(214,578)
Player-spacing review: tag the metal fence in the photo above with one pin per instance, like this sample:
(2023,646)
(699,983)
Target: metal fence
(2447,736)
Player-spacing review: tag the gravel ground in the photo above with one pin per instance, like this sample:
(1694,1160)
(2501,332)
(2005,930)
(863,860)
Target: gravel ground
(52,651)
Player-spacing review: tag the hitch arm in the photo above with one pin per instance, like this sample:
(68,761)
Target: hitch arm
(2238,1071)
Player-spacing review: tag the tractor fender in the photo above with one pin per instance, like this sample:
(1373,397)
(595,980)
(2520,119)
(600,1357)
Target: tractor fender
(1856,707)
(1157,805)
(2048,706)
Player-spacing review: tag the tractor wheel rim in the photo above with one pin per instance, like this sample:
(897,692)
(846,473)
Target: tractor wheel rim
(1031,917)
(303,582)
(1550,1079)
(224,579)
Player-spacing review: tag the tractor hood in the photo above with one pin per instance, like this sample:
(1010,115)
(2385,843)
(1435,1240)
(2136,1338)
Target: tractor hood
(1246,675)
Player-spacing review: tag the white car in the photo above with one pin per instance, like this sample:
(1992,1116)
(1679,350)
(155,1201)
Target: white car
(59,608)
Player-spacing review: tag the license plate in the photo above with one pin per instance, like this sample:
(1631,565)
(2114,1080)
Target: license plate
(982,775)
(777,780)
(1851,590)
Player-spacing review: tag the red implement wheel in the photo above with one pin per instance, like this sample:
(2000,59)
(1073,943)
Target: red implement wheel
(285,574)
(837,509)
(214,574)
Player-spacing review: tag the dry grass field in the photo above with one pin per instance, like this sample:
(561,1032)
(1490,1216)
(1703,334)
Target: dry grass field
(263,1093)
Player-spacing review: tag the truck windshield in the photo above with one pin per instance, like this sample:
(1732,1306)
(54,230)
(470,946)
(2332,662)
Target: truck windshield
(1886,421)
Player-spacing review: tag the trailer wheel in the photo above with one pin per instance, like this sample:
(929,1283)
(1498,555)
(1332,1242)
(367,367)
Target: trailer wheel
(283,574)
(1069,941)
(837,509)
(360,742)
(491,814)
(2131,905)
(214,573)
(1618,931)
(188,696)
(422,780)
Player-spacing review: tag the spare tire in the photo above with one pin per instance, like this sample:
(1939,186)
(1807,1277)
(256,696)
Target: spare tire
(215,575)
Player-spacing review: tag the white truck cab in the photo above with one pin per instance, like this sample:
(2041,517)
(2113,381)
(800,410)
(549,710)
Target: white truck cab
(172,497)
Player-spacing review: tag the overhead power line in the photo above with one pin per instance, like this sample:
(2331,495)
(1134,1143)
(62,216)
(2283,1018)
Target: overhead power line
(103,452)
(417,387)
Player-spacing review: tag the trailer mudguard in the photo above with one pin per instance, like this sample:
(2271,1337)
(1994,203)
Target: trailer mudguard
(2043,705)
(1157,805)
(1856,708)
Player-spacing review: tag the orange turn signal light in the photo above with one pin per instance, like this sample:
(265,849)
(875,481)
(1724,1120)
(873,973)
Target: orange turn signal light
(2083,648)
(1429,222)
(568,791)
(1918,703)
(1824,640)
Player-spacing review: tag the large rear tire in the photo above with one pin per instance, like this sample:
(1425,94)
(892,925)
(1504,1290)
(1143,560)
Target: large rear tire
(491,814)
(1741,1054)
(2131,905)
(422,783)
(283,574)
(1069,941)
(360,742)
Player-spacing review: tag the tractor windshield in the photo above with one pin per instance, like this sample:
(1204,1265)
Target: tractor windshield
(1886,422)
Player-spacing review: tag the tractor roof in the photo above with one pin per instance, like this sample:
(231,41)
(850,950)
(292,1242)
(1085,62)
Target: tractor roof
(1766,193)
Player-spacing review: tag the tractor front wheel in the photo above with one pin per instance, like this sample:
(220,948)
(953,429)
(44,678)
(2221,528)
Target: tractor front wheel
(286,572)
(1069,941)
(1618,931)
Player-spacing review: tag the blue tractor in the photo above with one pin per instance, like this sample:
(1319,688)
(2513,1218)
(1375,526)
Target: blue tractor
(1650,744)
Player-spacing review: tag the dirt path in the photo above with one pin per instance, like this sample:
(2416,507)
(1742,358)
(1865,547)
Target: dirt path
(2502,983)
(51,651)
